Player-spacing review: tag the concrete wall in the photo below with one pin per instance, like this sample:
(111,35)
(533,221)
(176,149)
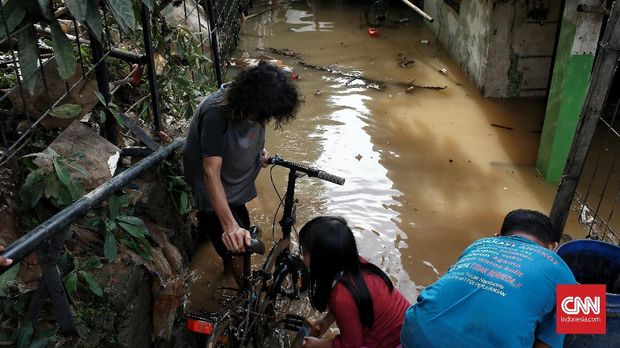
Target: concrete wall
(504,49)
(465,34)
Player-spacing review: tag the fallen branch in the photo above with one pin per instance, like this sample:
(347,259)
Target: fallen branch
(370,83)
(500,126)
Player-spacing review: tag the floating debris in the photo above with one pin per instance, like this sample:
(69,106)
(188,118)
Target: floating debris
(286,52)
(358,157)
(318,92)
(444,71)
(424,42)
(405,61)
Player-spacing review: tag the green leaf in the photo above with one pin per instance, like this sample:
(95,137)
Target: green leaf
(135,231)
(132,220)
(43,338)
(111,226)
(101,98)
(92,263)
(78,8)
(14,13)
(110,249)
(119,118)
(65,263)
(32,190)
(63,52)
(66,111)
(24,335)
(93,19)
(61,171)
(75,190)
(92,283)
(71,282)
(102,116)
(6,278)
(184,202)
(52,187)
(114,206)
(28,53)
(150,4)
(123,12)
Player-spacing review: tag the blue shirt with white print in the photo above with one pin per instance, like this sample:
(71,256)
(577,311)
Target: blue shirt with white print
(500,293)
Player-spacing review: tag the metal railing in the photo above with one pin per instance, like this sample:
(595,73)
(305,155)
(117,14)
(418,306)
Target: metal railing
(590,185)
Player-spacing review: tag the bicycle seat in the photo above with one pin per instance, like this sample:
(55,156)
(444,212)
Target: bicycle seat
(256,245)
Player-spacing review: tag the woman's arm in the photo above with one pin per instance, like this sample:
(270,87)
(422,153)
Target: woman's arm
(324,323)
(313,342)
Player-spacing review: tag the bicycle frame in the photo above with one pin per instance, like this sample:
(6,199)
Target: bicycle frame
(260,289)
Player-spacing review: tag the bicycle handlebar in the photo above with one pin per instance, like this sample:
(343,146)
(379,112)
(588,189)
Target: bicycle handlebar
(313,172)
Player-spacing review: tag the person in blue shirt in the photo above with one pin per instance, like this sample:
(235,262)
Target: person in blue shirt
(500,292)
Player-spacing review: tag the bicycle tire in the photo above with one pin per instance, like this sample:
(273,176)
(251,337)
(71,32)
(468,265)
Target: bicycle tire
(223,335)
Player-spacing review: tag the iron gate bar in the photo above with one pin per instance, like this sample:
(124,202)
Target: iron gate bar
(30,241)
(213,27)
(600,84)
(103,85)
(145,17)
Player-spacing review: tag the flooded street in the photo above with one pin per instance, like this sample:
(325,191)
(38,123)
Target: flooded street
(426,173)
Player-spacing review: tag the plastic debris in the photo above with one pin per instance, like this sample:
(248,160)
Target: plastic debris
(373,32)
(444,71)
(424,42)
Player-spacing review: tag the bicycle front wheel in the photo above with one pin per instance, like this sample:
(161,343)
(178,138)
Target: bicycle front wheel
(223,335)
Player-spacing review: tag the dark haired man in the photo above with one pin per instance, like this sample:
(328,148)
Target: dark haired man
(224,151)
(500,293)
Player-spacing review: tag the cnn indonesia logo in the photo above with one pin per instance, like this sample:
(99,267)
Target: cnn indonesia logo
(581,309)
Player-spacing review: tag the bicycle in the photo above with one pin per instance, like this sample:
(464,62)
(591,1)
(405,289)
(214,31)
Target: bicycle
(248,314)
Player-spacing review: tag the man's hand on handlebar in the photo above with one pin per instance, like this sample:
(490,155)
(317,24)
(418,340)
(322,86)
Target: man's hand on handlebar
(236,239)
(264,158)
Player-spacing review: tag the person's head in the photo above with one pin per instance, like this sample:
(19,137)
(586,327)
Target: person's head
(534,224)
(262,93)
(330,253)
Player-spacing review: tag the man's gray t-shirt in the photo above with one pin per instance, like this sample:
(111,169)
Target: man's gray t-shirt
(239,144)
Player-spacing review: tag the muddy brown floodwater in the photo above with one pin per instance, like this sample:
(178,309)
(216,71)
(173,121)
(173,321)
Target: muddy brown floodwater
(426,173)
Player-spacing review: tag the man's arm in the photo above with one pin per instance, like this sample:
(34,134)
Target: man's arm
(540,344)
(234,237)
(3,260)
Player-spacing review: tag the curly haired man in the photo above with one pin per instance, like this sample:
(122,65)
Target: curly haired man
(224,151)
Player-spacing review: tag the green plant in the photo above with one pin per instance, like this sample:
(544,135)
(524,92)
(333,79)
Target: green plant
(50,188)
(180,87)
(83,270)
(112,108)
(119,226)
(22,15)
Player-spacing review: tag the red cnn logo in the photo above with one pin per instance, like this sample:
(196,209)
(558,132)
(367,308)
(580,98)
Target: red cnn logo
(581,309)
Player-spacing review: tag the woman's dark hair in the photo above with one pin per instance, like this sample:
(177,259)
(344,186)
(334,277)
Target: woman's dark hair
(334,258)
(262,93)
(531,222)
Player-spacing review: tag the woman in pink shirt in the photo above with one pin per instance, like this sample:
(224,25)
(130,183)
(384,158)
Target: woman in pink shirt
(356,294)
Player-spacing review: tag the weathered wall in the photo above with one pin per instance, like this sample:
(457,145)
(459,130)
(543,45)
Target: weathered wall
(504,46)
(465,34)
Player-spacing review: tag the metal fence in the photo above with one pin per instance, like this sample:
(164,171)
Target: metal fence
(117,60)
(589,193)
